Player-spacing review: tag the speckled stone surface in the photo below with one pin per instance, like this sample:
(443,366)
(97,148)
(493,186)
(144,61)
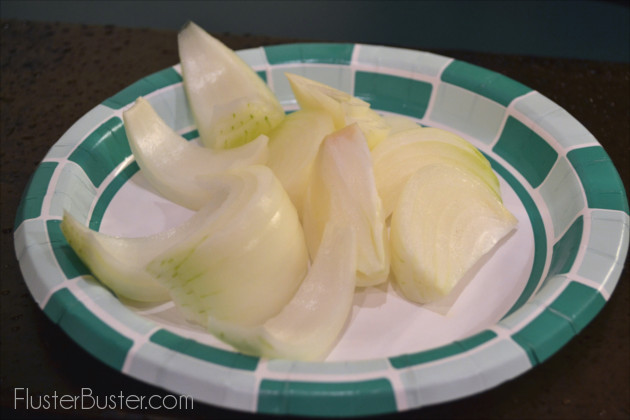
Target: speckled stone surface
(52,74)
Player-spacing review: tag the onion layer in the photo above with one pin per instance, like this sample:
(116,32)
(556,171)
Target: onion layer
(307,327)
(445,220)
(172,164)
(344,108)
(343,191)
(230,103)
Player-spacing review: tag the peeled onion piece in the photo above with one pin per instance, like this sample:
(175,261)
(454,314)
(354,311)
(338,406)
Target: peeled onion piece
(342,191)
(119,262)
(308,326)
(404,152)
(344,108)
(240,258)
(172,164)
(230,103)
(293,147)
(445,220)
(246,258)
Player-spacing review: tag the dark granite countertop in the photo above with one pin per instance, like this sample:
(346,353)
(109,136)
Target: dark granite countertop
(52,74)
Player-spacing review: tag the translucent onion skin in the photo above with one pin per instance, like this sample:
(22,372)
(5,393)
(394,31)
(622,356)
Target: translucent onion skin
(230,103)
(308,326)
(247,257)
(445,220)
(172,164)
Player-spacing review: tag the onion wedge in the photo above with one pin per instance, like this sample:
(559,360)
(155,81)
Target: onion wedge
(306,329)
(445,220)
(342,191)
(241,257)
(403,153)
(230,103)
(245,260)
(344,108)
(119,262)
(293,147)
(171,163)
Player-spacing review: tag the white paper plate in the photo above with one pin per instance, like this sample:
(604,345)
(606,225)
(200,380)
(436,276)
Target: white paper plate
(538,290)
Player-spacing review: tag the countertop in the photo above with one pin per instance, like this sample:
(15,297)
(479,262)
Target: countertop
(52,74)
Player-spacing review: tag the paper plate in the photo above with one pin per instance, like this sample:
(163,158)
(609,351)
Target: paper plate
(532,295)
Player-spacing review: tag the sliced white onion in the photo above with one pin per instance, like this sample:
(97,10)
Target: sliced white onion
(344,108)
(119,262)
(240,258)
(403,153)
(342,191)
(171,163)
(293,146)
(308,326)
(445,220)
(246,260)
(230,103)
